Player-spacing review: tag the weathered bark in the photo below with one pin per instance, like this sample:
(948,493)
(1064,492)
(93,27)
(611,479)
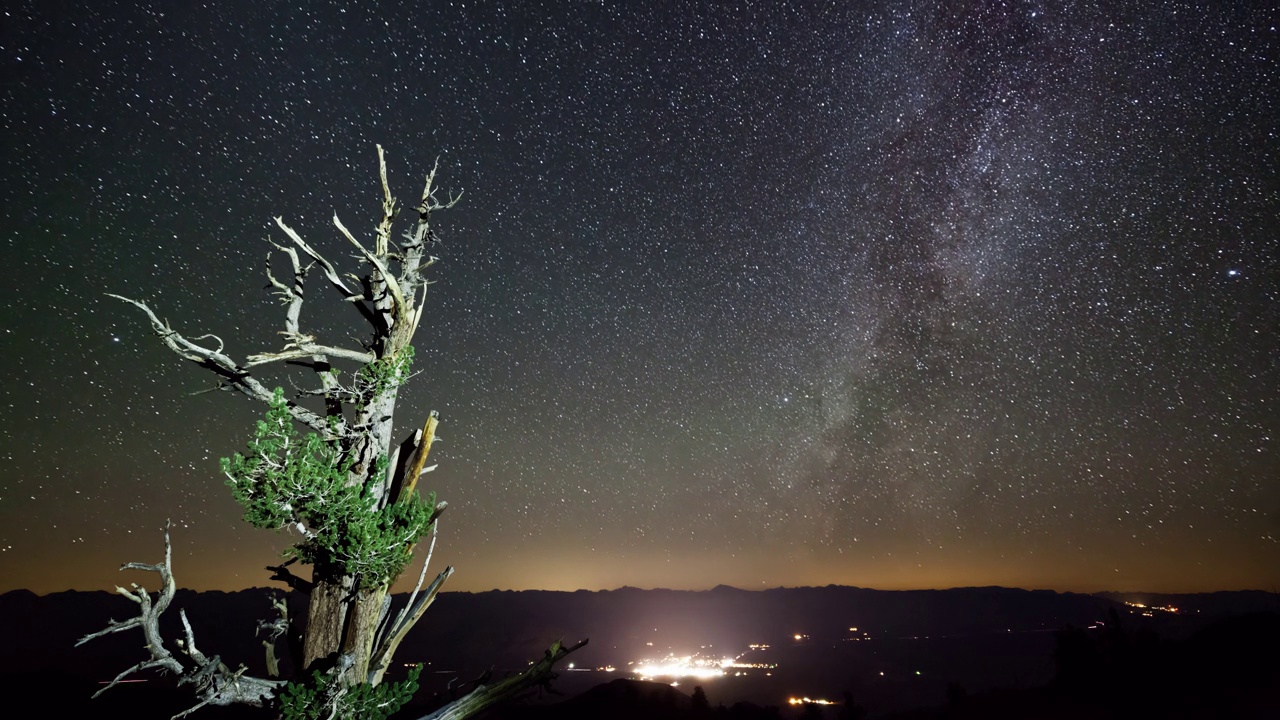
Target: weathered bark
(326,613)
(362,629)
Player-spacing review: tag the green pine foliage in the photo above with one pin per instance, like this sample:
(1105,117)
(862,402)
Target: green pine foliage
(286,480)
(381,375)
(320,699)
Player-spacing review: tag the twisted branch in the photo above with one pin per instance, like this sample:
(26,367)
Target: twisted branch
(375,260)
(232,373)
(215,683)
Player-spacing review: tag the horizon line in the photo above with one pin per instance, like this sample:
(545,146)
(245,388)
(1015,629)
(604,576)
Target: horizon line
(720,586)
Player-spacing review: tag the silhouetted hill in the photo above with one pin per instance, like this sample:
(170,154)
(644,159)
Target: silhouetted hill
(41,631)
(1228,669)
(507,628)
(1233,602)
(985,637)
(621,699)
(629,618)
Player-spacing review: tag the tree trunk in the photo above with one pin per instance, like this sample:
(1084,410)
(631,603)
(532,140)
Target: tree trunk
(362,627)
(325,620)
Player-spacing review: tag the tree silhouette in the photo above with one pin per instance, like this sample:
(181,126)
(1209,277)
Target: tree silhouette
(698,704)
(811,711)
(851,710)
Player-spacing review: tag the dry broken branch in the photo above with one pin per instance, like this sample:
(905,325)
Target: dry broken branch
(483,697)
(408,617)
(376,261)
(300,347)
(233,375)
(330,271)
(148,619)
(388,207)
(215,684)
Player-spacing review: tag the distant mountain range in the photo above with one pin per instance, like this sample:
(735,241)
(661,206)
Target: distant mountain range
(504,629)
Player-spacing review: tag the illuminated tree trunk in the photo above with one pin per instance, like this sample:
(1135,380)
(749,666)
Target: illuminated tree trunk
(326,616)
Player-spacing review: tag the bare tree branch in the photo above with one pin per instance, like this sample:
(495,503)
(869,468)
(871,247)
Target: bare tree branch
(400,629)
(274,629)
(329,270)
(232,374)
(483,697)
(293,296)
(300,347)
(415,259)
(388,208)
(392,284)
(215,683)
(426,563)
(148,618)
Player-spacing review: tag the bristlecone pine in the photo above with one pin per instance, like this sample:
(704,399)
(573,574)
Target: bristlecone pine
(332,476)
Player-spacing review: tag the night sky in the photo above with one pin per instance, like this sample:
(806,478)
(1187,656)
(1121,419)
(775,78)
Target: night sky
(897,295)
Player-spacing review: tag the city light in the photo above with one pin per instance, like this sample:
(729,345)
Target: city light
(1150,610)
(696,666)
(680,667)
(808,701)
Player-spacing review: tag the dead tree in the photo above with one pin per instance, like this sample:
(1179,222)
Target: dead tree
(344,487)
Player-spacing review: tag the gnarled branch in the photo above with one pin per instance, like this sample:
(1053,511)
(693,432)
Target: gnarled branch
(393,285)
(148,618)
(274,629)
(330,271)
(300,347)
(232,373)
(215,683)
(388,207)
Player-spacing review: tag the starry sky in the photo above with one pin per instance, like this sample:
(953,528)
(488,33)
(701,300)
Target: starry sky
(888,294)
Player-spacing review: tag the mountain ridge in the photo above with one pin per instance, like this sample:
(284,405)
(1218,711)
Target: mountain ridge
(504,628)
